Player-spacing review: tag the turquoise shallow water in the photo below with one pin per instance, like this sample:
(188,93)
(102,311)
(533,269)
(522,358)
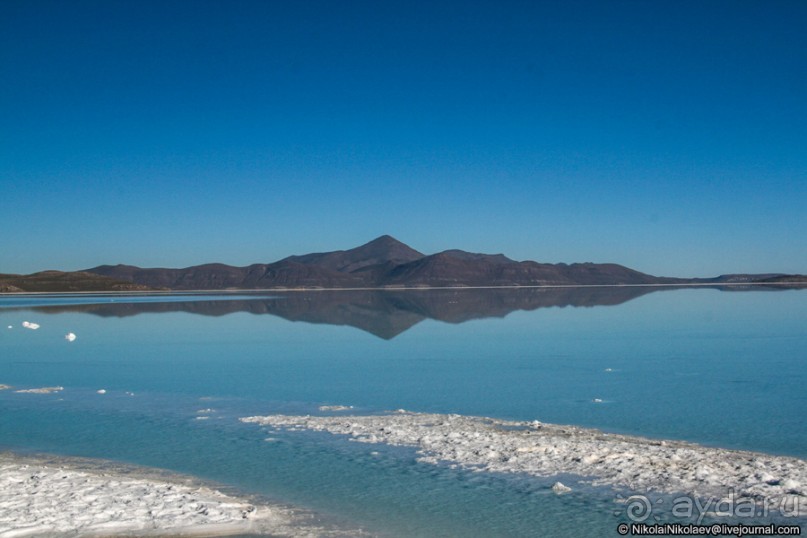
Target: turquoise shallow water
(716,367)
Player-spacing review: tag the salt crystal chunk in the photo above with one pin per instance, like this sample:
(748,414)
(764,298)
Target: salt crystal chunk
(559,488)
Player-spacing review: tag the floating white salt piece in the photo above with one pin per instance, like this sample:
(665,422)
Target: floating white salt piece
(597,400)
(29,325)
(559,488)
(129,393)
(70,337)
(101,391)
(11,326)
(43,390)
(609,369)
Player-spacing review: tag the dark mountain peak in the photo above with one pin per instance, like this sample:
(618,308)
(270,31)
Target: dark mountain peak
(385,239)
(378,251)
(388,247)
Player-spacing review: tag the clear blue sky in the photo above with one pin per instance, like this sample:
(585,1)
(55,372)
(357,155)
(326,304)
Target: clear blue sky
(667,136)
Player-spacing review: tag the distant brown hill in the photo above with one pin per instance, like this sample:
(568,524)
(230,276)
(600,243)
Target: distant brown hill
(59,281)
(382,263)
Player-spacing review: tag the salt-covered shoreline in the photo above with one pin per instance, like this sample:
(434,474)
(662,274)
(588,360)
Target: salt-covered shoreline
(547,450)
(69,497)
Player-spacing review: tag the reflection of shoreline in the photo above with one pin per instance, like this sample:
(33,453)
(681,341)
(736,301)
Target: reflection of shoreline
(241,291)
(384,313)
(46,495)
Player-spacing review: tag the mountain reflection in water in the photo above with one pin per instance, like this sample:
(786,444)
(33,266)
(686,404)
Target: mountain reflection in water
(383,313)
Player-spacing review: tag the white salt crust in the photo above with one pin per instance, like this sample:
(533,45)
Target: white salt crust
(548,450)
(45,497)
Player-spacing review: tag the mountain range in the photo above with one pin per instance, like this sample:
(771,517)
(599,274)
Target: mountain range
(384,262)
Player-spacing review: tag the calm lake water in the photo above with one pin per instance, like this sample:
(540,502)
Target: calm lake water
(721,368)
